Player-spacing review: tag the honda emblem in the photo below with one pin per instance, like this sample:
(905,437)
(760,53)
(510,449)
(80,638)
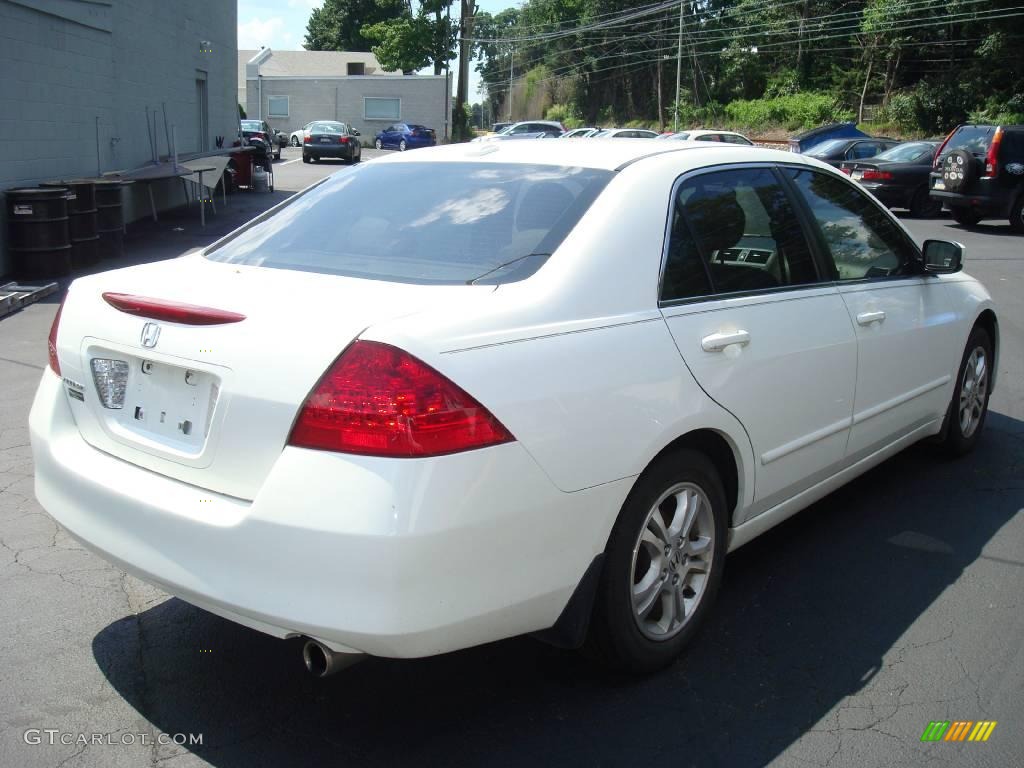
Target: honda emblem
(150,335)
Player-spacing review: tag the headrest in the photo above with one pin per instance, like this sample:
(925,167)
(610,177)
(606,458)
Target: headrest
(717,218)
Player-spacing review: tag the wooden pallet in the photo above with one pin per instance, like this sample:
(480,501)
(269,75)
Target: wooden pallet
(14,296)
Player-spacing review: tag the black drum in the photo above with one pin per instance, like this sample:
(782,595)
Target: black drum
(82,223)
(38,236)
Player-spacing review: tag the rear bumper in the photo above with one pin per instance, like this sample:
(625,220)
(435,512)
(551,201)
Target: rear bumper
(329,150)
(995,201)
(392,558)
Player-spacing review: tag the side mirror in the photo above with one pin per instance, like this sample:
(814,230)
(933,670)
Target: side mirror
(942,257)
(356,133)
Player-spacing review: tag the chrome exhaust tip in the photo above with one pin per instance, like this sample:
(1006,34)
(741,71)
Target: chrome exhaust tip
(321,661)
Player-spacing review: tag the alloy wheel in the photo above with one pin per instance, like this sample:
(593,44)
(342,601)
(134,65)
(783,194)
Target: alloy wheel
(672,561)
(973,391)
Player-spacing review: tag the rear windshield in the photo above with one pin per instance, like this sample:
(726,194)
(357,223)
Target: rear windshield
(905,153)
(327,128)
(426,223)
(820,150)
(973,138)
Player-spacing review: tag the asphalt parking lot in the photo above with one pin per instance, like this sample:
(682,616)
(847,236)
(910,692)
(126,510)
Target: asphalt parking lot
(838,636)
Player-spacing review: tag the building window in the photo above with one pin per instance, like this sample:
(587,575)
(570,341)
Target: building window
(356,68)
(277,106)
(377,108)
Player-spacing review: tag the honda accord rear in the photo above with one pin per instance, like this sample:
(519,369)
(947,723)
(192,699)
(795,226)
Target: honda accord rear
(231,427)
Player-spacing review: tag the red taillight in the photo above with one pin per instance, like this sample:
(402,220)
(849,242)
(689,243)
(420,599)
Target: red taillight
(873,175)
(991,158)
(307,139)
(51,341)
(378,400)
(942,146)
(171,311)
(845,170)
(343,139)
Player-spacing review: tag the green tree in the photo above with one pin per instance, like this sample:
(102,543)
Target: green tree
(412,42)
(337,25)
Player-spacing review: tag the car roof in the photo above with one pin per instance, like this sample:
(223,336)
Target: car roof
(601,153)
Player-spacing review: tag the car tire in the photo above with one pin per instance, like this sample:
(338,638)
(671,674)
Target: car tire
(626,630)
(1017,215)
(923,206)
(965,417)
(964,216)
(378,144)
(402,146)
(358,155)
(306,158)
(295,141)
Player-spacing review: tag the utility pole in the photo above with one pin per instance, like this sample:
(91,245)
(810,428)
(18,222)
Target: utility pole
(511,67)
(679,68)
(462,93)
(447,83)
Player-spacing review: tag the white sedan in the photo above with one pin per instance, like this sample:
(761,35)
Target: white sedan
(298,138)
(729,137)
(548,397)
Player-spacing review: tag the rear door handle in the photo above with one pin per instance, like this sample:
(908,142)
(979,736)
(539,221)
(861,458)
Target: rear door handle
(716,342)
(867,318)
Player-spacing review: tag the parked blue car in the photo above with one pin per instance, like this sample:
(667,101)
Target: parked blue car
(402,136)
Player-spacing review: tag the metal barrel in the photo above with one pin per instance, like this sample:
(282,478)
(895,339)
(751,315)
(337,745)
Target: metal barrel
(110,217)
(82,224)
(38,235)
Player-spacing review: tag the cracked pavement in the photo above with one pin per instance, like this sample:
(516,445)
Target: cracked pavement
(838,635)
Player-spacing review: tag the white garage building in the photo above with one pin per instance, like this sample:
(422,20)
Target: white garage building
(289,89)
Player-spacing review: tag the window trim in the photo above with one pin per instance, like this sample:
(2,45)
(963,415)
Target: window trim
(824,280)
(287,107)
(818,236)
(392,120)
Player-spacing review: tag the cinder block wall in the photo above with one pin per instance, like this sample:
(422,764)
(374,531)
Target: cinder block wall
(341,98)
(66,62)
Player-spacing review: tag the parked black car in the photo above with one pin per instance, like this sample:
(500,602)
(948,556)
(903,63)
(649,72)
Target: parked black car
(332,139)
(899,177)
(978,173)
(835,151)
(260,131)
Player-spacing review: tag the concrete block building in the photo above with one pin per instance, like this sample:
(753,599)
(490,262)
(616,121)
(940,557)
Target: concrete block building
(78,76)
(289,89)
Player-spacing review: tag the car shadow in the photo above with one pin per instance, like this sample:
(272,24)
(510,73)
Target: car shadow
(806,614)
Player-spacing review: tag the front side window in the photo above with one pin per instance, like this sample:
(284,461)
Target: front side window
(484,223)
(862,240)
(734,231)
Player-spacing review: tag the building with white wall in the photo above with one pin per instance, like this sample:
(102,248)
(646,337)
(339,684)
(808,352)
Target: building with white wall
(65,63)
(289,89)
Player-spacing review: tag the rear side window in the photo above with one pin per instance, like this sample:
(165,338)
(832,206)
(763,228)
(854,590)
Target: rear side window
(454,223)
(861,238)
(734,231)
(1011,147)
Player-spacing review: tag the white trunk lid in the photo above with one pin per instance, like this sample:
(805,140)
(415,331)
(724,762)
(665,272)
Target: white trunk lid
(213,405)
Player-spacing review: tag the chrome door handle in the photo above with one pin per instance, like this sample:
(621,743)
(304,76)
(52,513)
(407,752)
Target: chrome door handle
(716,342)
(867,318)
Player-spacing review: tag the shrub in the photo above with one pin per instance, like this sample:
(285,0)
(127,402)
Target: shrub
(565,114)
(795,111)
(900,112)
